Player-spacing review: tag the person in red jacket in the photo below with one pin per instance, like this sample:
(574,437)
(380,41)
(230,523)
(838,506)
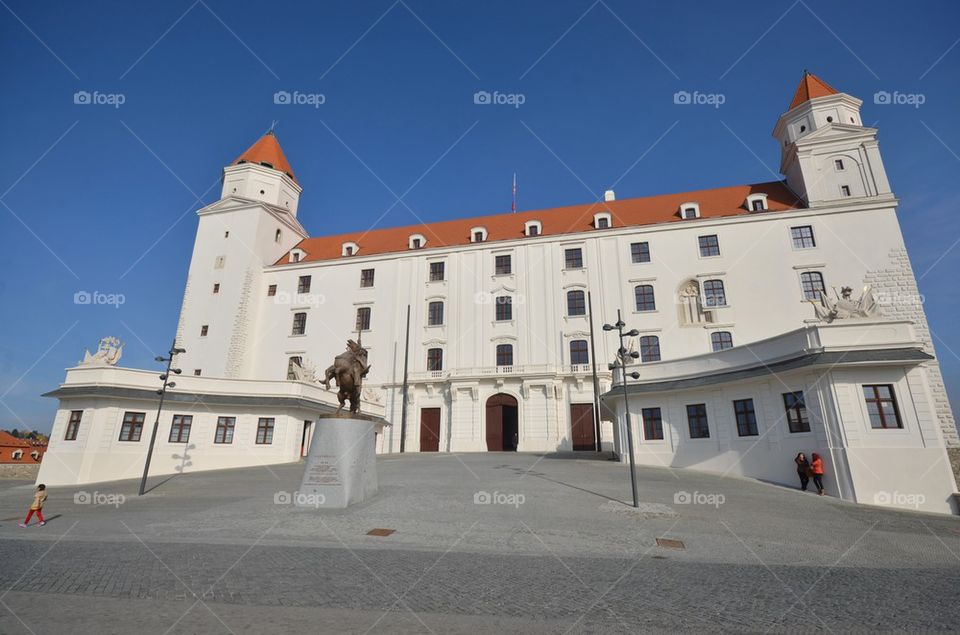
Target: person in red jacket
(816,466)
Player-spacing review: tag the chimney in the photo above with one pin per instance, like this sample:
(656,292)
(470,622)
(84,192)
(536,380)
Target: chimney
(609,196)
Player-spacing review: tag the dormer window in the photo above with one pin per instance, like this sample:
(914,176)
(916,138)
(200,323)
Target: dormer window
(416,241)
(478,234)
(296,255)
(350,249)
(757,202)
(602,220)
(689,211)
(532,228)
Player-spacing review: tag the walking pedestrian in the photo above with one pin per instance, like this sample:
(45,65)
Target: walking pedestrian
(817,467)
(803,470)
(39,497)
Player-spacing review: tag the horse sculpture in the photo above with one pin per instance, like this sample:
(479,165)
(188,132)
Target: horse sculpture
(348,369)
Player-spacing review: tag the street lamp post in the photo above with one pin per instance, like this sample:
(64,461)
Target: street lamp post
(163,393)
(622,354)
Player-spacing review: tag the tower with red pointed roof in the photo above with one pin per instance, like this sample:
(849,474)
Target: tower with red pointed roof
(250,227)
(826,152)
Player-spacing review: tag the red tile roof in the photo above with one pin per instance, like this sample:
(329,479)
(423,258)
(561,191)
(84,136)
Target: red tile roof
(811,87)
(715,203)
(266,151)
(8,440)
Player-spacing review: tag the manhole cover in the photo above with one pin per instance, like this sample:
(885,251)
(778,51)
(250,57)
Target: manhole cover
(380,532)
(670,543)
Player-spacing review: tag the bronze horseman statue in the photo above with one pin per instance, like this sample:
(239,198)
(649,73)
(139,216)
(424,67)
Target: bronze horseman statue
(349,369)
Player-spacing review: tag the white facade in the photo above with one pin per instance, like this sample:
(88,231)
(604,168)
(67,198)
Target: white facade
(259,292)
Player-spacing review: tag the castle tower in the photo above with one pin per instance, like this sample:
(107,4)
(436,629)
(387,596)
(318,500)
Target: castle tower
(826,152)
(252,225)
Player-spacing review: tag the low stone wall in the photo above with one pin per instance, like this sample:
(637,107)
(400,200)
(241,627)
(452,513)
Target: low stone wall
(19,471)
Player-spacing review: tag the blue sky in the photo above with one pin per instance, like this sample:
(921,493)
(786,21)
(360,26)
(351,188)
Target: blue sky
(100,196)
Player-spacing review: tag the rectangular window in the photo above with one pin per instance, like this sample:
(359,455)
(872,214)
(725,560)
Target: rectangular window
(504,354)
(746,417)
(271,290)
(299,324)
(366,278)
(603,222)
(757,205)
(644,298)
(415,243)
(503,308)
(845,190)
(180,428)
(434,359)
(578,352)
(709,246)
(435,313)
(652,424)
(697,421)
(292,364)
(812,284)
(796,407)
(803,237)
(838,164)
(640,252)
(649,348)
(721,340)
(576,303)
(533,230)
(216,287)
(204,330)
(436,272)
(73,425)
(478,237)
(714,294)
(132,426)
(303,284)
(573,258)
(196,372)
(363,319)
(225,426)
(502,265)
(265,431)
(882,406)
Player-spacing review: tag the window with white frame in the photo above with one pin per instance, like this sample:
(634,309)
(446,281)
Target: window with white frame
(757,202)
(689,211)
(533,228)
(812,284)
(478,234)
(602,220)
(714,294)
(349,249)
(802,237)
(416,241)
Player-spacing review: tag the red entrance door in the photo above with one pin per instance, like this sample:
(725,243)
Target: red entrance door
(502,423)
(430,429)
(581,426)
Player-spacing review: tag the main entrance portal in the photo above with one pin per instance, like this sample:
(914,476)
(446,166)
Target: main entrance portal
(502,423)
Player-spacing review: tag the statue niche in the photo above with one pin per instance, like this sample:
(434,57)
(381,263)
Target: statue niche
(690,305)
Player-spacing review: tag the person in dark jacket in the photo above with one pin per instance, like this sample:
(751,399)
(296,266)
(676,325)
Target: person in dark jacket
(817,468)
(803,470)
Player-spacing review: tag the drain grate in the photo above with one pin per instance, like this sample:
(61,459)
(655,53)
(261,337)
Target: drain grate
(380,532)
(670,543)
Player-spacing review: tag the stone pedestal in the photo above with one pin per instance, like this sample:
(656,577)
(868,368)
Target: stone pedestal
(341,466)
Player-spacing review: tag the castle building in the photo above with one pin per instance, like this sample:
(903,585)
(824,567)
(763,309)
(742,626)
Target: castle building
(749,346)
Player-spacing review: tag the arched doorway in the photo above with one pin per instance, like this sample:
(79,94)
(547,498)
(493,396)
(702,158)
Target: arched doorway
(502,423)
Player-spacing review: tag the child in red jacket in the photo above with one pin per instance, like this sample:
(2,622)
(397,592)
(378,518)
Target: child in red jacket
(816,466)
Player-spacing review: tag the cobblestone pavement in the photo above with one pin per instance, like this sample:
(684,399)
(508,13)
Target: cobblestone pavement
(213,553)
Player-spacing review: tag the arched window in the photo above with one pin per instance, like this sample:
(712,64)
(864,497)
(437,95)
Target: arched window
(478,234)
(504,354)
(721,340)
(757,202)
(416,241)
(576,303)
(434,359)
(602,220)
(812,283)
(349,249)
(714,294)
(644,297)
(435,313)
(689,211)
(277,235)
(533,228)
(649,348)
(578,352)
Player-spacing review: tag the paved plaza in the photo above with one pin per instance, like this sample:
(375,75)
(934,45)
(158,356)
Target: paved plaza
(498,542)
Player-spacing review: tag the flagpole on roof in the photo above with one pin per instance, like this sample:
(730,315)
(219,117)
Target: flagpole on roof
(513,205)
